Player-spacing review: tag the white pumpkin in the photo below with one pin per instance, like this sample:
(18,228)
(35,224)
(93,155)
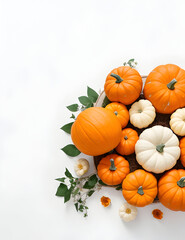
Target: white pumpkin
(142,113)
(177,122)
(157,149)
(81,167)
(127,212)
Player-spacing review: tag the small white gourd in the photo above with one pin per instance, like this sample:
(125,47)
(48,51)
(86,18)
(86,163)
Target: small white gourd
(127,212)
(177,122)
(81,167)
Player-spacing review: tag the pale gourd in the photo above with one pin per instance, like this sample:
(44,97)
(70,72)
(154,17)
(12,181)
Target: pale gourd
(81,167)
(177,122)
(142,113)
(127,212)
(157,149)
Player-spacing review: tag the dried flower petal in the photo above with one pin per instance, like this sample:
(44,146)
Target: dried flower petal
(105,201)
(157,214)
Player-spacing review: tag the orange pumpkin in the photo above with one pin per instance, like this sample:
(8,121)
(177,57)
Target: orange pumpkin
(139,188)
(128,141)
(123,84)
(120,111)
(171,189)
(112,169)
(165,88)
(96,131)
(182,147)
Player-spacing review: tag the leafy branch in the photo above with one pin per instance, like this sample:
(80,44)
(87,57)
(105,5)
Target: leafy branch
(132,63)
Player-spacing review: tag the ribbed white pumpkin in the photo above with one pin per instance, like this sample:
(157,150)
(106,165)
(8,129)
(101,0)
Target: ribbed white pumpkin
(157,149)
(177,122)
(142,113)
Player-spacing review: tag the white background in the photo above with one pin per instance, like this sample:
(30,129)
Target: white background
(50,51)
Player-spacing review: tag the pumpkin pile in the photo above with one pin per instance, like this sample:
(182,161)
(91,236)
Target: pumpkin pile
(145,130)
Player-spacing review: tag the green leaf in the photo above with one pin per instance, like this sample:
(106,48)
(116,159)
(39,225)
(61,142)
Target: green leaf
(102,183)
(76,206)
(85,101)
(61,179)
(106,101)
(67,195)
(119,187)
(93,96)
(85,215)
(76,191)
(67,127)
(91,182)
(73,107)
(61,191)
(71,150)
(90,193)
(131,60)
(81,208)
(72,116)
(80,200)
(68,174)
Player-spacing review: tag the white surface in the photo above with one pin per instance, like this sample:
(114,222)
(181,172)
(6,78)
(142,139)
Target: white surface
(49,52)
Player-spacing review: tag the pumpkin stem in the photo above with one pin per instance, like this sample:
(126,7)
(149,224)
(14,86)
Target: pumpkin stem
(171,84)
(116,113)
(125,137)
(112,166)
(181,182)
(117,77)
(160,147)
(140,190)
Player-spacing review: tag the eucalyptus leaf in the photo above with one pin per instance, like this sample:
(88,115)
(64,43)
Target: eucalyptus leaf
(106,101)
(71,150)
(85,101)
(93,96)
(73,107)
(90,193)
(67,195)
(62,190)
(91,182)
(67,127)
(61,179)
(68,174)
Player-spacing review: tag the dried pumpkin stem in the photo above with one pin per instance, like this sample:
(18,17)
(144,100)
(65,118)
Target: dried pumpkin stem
(125,137)
(117,77)
(112,166)
(160,148)
(140,190)
(181,182)
(171,84)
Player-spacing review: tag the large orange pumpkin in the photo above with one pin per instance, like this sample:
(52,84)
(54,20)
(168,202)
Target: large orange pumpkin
(120,111)
(123,84)
(171,190)
(96,131)
(165,88)
(139,188)
(112,169)
(182,147)
(128,142)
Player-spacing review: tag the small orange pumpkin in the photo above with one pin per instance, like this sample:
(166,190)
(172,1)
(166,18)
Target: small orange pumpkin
(123,84)
(171,189)
(165,88)
(112,169)
(128,141)
(120,111)
(182,147)
(96,131)
(139,188)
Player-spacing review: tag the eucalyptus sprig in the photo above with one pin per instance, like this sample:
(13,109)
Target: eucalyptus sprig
(79,189)
(132,63)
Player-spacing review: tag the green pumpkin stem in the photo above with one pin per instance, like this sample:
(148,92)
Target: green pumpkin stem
(181,182)
(112,166)
(160,148)
(171,84)
(117,77)
(125,137)
(116,113)
(140,190)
